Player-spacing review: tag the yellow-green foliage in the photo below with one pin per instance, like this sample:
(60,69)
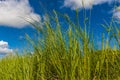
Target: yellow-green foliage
(61,55)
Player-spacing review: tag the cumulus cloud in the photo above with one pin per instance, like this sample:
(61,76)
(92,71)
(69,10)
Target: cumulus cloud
(74,4)
(4,48)
(88,4)
(13,13)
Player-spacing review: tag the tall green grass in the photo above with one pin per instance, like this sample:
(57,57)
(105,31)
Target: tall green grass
(68,55)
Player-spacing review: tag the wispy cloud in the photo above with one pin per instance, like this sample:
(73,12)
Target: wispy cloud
(4,48)
(13,13)
(74,4)
(116,13)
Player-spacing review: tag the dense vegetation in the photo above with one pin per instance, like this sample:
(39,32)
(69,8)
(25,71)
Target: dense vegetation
(65,55)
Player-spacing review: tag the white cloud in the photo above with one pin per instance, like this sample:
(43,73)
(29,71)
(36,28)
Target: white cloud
(4,48)
(88,4)
(116,13)
(74,4)
(13,13)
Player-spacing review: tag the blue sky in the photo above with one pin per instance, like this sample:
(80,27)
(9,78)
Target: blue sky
(13,27)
